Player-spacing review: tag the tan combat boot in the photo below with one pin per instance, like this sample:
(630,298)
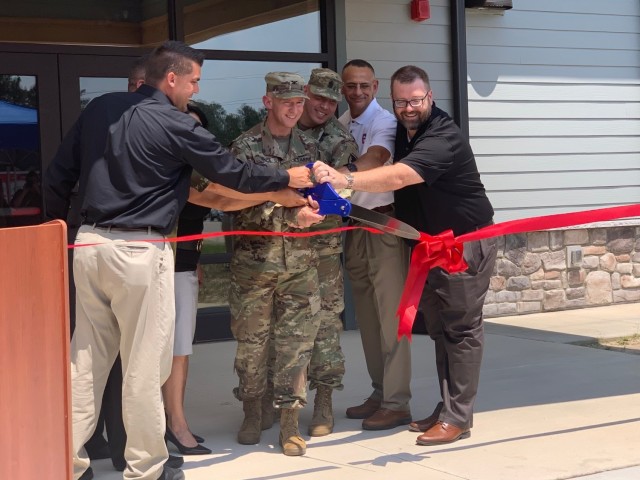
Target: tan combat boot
(322,421)
(268,410)
(290,440)
(249,433)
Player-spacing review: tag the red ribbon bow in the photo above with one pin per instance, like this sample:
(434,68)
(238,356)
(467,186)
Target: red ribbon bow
(443,251)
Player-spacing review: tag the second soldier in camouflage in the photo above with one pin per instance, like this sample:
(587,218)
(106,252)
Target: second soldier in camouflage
(338,147)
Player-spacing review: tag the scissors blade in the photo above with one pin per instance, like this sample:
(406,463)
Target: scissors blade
(383,222)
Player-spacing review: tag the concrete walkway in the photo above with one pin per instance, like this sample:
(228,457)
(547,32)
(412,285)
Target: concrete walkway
(546,410)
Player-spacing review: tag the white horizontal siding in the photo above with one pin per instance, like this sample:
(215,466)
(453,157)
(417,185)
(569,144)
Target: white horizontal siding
(381,32)
(510,164)
(554,128)
(537,109)
(556,180)
(554,105)
(574,74)
(554,93)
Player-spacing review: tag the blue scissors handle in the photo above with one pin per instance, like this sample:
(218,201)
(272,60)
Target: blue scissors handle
(328,199)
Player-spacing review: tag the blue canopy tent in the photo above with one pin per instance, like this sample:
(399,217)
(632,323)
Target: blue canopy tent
(18,127)
(19,154)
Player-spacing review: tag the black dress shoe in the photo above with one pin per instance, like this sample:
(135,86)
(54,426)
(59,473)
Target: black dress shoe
(169,473)
(197,438)
(197,450)
(427,423)
(87,475)
(172,461)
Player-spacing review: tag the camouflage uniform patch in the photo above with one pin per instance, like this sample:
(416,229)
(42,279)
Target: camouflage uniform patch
(274,282)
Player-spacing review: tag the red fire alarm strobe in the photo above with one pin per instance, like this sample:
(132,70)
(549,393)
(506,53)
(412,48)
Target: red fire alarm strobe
(420,10)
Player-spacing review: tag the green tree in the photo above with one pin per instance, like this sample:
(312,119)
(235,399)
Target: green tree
(12,91)
(227,126)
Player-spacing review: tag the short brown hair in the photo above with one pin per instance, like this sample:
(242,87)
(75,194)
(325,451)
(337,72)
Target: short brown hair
(409,74)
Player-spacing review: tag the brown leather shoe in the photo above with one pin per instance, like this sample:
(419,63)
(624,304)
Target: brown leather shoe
(442,433)
(365,410)
(384,419)
(427,423)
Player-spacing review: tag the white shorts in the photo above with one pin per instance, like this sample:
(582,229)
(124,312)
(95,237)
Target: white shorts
(186,291)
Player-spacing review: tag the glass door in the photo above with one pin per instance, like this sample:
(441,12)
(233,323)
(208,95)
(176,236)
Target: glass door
(29,133)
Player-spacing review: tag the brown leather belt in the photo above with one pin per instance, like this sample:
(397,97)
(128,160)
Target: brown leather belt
(384,209)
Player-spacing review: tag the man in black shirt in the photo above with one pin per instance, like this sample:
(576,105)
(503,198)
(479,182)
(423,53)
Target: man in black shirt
(133,154)
(437,188)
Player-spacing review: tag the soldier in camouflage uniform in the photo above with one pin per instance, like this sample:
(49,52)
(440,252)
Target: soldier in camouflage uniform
(327,362)
(274,280)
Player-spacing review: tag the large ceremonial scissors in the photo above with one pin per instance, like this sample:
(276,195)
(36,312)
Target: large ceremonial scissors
(333,204)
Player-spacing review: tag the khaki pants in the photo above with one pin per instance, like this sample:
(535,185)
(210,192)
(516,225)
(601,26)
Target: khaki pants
(124,302)
(377,267)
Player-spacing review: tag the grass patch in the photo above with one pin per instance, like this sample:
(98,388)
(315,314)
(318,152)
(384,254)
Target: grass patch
(628,344)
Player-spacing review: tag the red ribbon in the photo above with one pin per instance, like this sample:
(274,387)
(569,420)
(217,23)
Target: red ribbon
(445,251)
(200,236)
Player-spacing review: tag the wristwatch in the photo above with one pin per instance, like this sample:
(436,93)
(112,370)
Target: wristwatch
(349,179)
(352,167)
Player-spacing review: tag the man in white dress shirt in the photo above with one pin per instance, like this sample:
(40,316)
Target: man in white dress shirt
(376,263)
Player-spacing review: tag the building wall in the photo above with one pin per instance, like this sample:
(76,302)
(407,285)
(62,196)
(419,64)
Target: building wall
(564,269)
(382,32)
(554,105)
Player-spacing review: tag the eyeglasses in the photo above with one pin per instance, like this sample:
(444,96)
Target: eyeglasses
(414,102)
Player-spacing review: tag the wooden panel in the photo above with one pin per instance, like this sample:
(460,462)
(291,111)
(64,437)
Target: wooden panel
(554,128)
(35,438)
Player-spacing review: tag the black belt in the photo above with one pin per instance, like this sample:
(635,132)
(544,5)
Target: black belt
(193,245)
(384,209)
(118,228)
(478,227)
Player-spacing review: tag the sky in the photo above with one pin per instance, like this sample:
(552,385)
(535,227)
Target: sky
(233,83)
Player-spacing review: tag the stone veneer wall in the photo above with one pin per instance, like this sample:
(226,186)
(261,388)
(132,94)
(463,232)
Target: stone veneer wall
(534,272)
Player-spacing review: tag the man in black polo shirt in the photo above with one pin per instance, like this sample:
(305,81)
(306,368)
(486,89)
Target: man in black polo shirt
(437,188)
(133,154)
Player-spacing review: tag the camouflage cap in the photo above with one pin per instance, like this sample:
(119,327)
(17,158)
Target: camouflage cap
(285,85)
(326,83)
